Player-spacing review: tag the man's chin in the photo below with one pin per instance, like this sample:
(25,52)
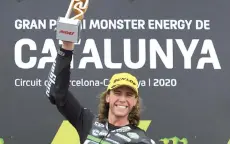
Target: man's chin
(120,115)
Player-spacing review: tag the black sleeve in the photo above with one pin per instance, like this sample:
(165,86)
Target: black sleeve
(59,95)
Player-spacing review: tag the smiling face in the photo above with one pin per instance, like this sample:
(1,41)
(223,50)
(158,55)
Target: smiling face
(121,101)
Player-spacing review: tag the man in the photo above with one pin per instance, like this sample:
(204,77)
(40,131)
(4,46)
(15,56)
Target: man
(119,108)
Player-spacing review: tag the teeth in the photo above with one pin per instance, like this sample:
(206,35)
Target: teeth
(122,106)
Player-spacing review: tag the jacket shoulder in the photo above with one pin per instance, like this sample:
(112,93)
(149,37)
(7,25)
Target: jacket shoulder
(144,139)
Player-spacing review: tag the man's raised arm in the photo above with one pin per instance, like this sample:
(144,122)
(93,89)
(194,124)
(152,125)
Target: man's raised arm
(58,92)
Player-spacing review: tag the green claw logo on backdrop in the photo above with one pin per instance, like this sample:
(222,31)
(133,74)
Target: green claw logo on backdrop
(174,140)
(1,141)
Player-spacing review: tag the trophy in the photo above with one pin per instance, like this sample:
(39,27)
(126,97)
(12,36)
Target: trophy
(68,29)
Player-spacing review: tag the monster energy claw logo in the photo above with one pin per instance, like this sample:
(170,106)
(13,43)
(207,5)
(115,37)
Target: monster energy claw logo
(174,140)
(1,141)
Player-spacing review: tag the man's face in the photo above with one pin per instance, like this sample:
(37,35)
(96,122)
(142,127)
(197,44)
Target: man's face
(121,101)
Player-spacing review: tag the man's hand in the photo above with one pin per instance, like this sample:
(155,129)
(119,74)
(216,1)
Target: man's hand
(68,45)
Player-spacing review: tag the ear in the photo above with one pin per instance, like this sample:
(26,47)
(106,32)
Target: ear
(107,98)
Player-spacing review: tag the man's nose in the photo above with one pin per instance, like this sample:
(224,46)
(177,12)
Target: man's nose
(122,98)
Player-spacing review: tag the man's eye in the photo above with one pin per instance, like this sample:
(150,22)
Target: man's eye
(117,93)
(129,94)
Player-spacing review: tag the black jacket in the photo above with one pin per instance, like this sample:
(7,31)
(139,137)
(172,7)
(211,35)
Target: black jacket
(89,129)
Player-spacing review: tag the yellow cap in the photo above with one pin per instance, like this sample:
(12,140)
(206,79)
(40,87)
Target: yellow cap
(123,79)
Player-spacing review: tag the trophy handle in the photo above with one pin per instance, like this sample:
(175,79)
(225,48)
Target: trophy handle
(69,11)
(81,8)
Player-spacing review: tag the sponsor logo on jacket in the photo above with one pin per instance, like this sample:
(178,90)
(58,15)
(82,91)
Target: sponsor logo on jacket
(122,129)
(133,135)
(123,137)
(99,124)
